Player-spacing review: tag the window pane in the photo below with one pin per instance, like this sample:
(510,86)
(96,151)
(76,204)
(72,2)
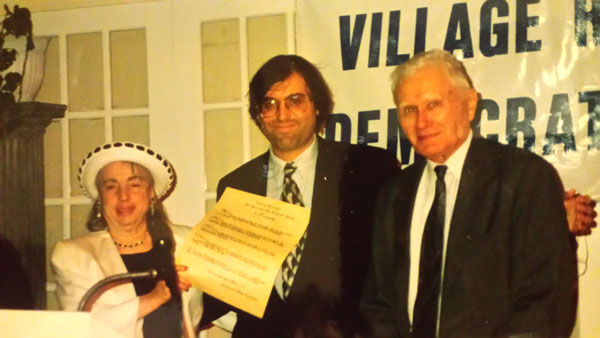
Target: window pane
(221,61)
(84,67)
(210,203)
(54,233)
(50,90)
(79,215)
(85,135)
(131,128)
(129,68)
(267,37)
(51,301)
(53,160)
(223,136)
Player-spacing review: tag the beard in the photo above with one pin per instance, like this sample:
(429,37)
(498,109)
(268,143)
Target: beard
(283,143)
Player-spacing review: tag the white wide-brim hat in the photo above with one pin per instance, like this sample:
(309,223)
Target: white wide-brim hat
(161,170)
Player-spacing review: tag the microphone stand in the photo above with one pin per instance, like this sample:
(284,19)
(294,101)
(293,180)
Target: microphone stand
(95,291)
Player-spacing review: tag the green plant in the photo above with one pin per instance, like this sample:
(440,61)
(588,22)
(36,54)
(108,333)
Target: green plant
(16,23)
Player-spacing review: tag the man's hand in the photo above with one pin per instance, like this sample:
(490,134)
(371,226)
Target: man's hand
(183,283)
(580,213)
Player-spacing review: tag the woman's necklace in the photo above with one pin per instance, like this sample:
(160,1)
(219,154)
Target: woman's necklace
(132,245)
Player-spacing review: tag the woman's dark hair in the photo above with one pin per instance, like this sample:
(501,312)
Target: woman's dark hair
(280,68)
(157,221)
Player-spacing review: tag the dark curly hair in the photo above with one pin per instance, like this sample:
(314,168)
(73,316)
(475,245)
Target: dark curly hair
(280,68)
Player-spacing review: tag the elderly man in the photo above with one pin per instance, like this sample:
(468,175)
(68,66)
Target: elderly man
(291,102)
(471,241)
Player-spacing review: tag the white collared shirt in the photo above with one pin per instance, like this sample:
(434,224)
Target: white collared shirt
(304,177)
(423,202)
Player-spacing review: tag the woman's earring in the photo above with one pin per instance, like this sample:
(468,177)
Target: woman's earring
(152,201)
(98,209)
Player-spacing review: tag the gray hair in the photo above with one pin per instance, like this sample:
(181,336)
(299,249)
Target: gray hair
(455,68)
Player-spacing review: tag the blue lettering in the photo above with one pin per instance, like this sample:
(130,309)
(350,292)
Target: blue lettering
(420,30)
(459,20)
(393,58)
(350,49)
(514,126)
(499,29)
(560,114)
(593,101)
(375,40)
(493,114)
(345,127)
(582,17)
(524,22)
(364,136)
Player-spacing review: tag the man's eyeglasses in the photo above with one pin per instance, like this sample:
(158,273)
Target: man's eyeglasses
(296,103)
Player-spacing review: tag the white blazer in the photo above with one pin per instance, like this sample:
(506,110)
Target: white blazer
(80,262)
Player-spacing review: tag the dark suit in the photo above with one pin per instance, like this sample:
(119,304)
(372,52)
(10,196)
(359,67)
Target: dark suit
(510,266)
(337,248)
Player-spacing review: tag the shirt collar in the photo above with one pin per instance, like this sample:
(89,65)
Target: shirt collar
(302,161)
(456,161)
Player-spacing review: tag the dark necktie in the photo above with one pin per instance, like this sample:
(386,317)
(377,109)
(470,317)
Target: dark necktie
(291,194)
(430,264)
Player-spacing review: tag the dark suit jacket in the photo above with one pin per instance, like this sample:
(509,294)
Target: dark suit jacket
(337,248)
(510,266)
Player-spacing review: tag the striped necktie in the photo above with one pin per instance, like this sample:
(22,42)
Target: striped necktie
(291,194)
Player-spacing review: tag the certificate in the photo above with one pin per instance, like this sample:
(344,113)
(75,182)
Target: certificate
(236,251)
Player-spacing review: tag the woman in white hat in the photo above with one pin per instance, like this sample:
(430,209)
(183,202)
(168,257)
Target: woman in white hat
(127,182)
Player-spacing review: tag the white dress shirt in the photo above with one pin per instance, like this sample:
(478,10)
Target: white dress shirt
(423,202)
(304,177)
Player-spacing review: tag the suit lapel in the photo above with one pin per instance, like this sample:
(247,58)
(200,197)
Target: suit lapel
(403,211)
(260,169)
(323,229)
(477,173)
(327,175)
(110,263)
(251,177)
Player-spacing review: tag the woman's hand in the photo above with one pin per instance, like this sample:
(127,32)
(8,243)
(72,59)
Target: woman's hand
(183,283)
(154,299)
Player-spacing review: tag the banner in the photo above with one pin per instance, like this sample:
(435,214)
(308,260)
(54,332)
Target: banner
(536,64)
